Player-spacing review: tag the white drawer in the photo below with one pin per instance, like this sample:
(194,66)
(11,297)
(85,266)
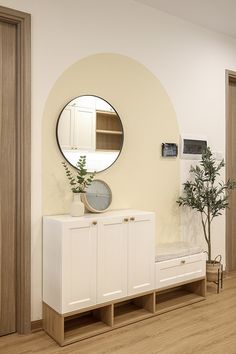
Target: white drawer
(178,270)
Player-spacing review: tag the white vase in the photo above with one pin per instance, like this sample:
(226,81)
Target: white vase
(77,207)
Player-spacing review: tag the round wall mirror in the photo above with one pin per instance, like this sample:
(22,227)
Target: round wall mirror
(89,125)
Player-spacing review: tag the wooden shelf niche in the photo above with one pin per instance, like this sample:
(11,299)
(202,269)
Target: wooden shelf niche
(133,310)
(87,324)
(175,297)
(72,327)
(109,131)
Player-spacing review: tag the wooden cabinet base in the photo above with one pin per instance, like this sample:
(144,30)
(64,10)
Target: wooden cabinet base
(77,325)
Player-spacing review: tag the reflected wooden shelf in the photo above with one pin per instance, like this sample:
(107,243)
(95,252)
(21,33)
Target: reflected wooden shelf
(106,150)
(109,132)
(110,114)
(116,132)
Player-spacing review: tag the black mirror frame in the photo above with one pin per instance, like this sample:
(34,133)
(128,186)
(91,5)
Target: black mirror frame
(57,139)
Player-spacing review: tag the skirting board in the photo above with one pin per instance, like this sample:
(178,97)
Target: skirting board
(36,326)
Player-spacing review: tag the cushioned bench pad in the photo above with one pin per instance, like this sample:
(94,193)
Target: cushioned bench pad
(165,251)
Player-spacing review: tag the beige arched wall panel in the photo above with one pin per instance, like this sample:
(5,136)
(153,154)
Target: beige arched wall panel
(140,178)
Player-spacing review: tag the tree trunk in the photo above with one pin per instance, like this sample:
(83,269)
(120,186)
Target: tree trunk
(209,233)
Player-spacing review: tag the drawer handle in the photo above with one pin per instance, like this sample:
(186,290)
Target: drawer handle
(126,219)
(132,218)
(183,261)
(94,222)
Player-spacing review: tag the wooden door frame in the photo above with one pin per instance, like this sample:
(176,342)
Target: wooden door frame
(229,75)
(23,166)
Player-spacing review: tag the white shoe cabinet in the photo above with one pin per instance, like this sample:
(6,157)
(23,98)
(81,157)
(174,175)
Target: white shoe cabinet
(99,274)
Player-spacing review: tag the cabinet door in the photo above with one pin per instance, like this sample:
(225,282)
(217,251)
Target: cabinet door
(141,254)
(84,128)
(65,128)
(79,263)
(112,259)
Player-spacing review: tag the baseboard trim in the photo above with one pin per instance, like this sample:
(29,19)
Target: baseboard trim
(36,326)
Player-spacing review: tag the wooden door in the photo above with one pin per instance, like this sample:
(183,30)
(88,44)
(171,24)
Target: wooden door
(15,167)
(8,85)
(141,254)
(112,259)
(231,168)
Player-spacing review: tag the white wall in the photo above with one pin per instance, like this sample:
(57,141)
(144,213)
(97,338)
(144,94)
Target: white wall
(188,60)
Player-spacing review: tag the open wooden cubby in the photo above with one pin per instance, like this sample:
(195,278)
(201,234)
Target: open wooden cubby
(179,296)
(69,328)
(133,310)
(72,327)
(87,324)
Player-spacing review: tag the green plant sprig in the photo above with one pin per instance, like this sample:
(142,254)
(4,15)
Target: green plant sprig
(81,180)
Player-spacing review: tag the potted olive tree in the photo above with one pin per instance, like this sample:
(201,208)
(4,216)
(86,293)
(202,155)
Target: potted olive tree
(209,196)
(79,183)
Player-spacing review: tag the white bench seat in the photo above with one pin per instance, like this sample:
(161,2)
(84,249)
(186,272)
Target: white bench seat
(165,251)
(178,262)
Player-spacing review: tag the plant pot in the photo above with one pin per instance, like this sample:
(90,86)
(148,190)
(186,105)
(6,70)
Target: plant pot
(77,207)
(213,268)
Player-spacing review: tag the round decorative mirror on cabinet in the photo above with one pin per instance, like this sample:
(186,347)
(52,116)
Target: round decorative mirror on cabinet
(89,126)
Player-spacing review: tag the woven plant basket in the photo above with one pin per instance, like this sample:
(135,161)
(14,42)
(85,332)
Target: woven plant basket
(212,269)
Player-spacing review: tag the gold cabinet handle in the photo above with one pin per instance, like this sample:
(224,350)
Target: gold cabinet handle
(132,218)
(126,219)
(94,222)
(183,261)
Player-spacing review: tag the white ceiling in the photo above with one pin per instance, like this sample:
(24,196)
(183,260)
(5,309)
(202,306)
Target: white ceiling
(217,15)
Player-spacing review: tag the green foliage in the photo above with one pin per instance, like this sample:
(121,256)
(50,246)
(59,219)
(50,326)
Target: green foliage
(79,182)
(205,194)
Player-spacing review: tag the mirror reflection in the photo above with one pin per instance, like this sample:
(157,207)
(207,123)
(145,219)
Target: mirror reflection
(89,125)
